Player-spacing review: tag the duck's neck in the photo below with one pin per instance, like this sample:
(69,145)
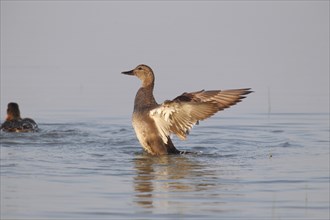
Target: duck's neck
(144,99)
(11,117)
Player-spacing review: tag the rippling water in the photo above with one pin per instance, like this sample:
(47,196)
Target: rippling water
(248,167)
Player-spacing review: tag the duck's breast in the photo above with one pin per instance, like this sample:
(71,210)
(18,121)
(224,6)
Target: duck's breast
(147,134)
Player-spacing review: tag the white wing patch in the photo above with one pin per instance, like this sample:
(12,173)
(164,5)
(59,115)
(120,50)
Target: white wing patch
(162,116)
(180,117)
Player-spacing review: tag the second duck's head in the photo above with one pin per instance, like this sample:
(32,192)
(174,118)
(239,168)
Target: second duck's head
(144,73)
(13,112)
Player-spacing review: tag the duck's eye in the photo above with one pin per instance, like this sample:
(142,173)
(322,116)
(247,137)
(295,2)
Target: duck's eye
(140,68)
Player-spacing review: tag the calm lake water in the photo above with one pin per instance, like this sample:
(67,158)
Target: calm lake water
(246,167)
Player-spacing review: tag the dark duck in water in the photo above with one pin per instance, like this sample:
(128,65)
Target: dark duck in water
(14,122)
(154,123)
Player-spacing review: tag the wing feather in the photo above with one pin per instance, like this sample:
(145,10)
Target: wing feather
(182,113)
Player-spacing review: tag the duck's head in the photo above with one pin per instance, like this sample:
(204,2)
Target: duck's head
(13,112)
(144,73)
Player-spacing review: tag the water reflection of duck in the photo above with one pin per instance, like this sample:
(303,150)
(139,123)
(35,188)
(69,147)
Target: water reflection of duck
(154,123)
(14,122)
(159,175)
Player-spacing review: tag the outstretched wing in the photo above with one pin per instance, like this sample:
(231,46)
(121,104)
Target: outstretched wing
(182,113)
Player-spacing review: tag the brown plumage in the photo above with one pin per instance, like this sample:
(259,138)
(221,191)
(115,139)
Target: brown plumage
(154,123)
(14,122)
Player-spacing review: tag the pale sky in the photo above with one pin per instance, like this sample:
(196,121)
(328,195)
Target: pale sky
(59,56)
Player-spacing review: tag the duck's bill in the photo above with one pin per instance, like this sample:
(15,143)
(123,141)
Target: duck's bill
(128,72)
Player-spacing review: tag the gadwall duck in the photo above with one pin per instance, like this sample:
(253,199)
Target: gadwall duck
(154,123)
(14,122)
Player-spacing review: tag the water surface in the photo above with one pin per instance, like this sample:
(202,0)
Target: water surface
(251,166)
